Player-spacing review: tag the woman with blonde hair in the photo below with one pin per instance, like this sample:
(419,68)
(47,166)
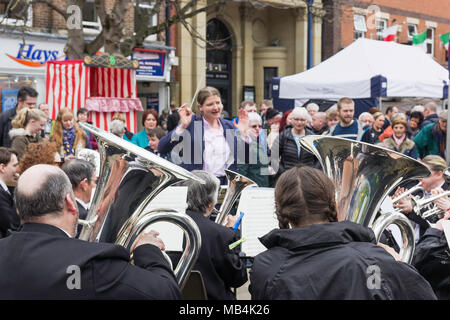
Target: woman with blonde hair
(67,135)
(371,135)
(27,126)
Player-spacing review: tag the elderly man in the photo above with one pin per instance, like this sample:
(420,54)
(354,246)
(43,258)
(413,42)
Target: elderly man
(26,98)
(366,118)
(9,220)
(81,174)
(432,138)
(319,122)
(53,265)
(430,114)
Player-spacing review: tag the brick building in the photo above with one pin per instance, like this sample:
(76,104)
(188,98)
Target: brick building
(347,20)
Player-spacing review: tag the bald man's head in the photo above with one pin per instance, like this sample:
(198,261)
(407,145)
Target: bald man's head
(41,190)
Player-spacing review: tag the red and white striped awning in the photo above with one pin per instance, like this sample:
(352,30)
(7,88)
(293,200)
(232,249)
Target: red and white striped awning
(73,85)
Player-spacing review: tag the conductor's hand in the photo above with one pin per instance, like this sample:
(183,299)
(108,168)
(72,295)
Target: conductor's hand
(404,204)
(185,116)
(148,237)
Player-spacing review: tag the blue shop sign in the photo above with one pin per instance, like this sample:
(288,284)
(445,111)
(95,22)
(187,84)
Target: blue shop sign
(151,62)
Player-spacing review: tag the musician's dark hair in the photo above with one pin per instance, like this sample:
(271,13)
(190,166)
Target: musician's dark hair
(77,170)
(303,196)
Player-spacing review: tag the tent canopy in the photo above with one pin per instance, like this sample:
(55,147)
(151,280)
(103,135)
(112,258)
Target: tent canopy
(368,69)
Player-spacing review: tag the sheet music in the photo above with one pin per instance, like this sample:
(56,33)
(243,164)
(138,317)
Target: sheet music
(446,227)
(259,218)
(170,198)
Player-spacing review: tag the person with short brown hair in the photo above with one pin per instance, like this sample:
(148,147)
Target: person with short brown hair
(347,127)
(9,220)
(314,256)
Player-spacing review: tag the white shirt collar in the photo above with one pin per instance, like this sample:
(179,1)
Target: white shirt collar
(84,204)
(4,186)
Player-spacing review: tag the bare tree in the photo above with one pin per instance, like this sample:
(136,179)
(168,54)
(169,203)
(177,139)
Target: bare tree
(112,36)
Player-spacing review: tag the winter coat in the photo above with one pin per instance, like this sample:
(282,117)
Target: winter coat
(432,260)
(408,147)
(287,149)
(427,140)
(334,260)
(21,139)
(5,126)
(432,118)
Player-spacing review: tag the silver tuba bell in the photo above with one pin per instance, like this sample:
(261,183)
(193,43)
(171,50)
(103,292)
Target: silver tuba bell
(364,175)
(236,184)
(130,177)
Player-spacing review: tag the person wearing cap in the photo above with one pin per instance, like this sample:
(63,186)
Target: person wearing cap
(432,138)
(399,141)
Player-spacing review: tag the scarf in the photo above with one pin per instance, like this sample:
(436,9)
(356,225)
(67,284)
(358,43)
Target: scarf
(399,141)
(68,140)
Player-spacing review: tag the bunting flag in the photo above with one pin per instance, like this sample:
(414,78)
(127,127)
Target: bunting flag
(70,84)
(445,40)
(419,40)
(390,33)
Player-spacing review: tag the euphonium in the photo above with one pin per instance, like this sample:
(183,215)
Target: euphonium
(130,177)
(432,209)
(364,175)
(236,184)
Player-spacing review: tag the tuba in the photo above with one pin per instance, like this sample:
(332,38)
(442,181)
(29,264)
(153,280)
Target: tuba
(130,177)
(236,184)
(364,175)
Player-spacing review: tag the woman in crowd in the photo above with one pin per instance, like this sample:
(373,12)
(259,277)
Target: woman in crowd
(67,135)
(27,126)
(371,135)
(39,153)
(415,124)
(220,267)
(150,120)
(332,119)
(120,116)
(208,142)
(314,256)
(399,141)
(289,149)
(257,167)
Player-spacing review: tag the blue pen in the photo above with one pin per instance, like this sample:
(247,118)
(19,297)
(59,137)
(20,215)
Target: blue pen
(238,222)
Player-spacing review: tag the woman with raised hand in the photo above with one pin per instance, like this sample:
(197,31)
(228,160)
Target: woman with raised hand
(207,142)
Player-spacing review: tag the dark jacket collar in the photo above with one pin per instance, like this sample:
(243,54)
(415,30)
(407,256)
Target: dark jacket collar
(330,233)
(43,228)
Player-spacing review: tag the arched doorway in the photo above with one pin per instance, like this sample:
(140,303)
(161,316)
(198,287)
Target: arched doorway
(218,60)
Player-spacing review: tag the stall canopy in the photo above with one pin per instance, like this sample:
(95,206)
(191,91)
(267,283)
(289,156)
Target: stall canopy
(368,69)
(103,91)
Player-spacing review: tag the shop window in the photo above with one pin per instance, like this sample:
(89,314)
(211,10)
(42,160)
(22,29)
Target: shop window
(146,7)
(269,74)
(91,20)
(359,24)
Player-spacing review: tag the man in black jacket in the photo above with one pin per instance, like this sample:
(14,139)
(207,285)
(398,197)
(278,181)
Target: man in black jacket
(52,265)
(81,174)
(26,98)
(9,220)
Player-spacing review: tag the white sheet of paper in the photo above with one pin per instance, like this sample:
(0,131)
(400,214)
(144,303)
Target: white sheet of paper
(446,227)
(170,198)
(258,204)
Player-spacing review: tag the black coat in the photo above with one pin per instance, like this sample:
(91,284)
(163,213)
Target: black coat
(40,262)
(336,260)
(287,148)
(432,259)
(5,127)
(220,267)
(9,219)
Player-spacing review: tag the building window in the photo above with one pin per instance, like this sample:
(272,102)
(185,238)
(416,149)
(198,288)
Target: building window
(269,74)
(381,25)
(359,23)
(412,29)
(15,21)
(146,7)
(91,20)
(430,41)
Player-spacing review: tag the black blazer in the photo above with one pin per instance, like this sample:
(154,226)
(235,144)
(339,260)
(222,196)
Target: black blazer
(82,214)
(9,219)
(220,267)
(46,268)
